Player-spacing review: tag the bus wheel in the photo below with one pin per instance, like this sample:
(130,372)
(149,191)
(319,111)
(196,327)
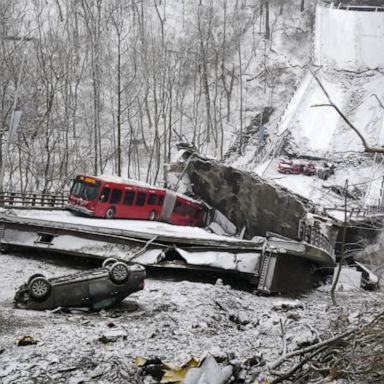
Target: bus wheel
(109,213)
(152,215)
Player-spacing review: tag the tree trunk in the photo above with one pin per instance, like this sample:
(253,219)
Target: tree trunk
(267,29)
(119,105)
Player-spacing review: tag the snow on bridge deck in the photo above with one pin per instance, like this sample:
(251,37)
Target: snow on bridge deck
(349,38)
(142,229)
(25,226)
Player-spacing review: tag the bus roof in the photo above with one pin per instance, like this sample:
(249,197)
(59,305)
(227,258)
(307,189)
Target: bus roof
(122,180)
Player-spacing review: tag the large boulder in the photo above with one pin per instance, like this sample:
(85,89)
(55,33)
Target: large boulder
(247,200)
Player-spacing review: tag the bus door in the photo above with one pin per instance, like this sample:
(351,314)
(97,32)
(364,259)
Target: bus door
(168,205)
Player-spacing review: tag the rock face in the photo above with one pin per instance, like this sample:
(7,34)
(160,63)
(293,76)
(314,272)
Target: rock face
(247,200)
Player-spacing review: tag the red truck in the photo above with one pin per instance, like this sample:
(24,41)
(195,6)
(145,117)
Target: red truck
(288,167)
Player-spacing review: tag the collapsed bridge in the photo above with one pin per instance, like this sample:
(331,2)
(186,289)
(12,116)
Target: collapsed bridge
(271,264)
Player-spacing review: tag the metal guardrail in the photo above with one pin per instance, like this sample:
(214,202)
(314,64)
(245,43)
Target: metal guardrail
(366,211)
(354,7)
(33,200)
(313,235)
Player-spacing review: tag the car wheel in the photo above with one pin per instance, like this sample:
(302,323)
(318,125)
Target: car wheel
(108,262)
(39,288)
(33,276)
(119,272)
(152,216)
(110,213)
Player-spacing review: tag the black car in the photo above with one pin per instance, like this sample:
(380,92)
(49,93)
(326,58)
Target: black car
(95,289)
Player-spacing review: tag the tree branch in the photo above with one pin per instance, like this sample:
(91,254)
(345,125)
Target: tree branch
(367,147)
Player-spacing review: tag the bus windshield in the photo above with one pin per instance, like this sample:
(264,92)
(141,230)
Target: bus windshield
(84,190)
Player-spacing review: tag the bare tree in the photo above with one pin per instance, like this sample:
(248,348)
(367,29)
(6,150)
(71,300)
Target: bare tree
(92,17)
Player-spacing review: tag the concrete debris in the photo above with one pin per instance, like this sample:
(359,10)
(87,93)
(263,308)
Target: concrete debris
(287,305)
(239,318)
(26,340)
(112,336)
(349,279)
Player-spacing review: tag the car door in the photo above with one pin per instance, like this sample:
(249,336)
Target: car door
(72,294)
(101,293)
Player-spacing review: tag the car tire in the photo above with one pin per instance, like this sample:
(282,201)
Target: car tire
(119,273)
(33,276)
(39,288)
(108,262)
(110,213)
(152,216)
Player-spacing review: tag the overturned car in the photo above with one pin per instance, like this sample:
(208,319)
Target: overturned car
(95,289)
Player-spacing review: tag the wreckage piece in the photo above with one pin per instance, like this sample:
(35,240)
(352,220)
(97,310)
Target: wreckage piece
(356,275)
(280,265)
(95,289)
(297,168)
(209,372)
(204,370)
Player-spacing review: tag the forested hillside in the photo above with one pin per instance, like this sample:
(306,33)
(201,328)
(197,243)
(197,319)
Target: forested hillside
(110,86)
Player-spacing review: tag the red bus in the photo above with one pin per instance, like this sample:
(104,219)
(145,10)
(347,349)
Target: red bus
(114,197)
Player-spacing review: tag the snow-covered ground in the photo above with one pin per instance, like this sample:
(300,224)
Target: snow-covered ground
(174,321)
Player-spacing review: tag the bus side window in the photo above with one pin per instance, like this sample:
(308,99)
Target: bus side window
(140,201)
(160,200)
(151,199)
(180,209)
(104,195)
(129,197)
(116,196)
